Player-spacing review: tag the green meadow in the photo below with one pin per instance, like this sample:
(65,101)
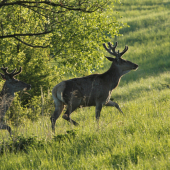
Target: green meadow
(139,139)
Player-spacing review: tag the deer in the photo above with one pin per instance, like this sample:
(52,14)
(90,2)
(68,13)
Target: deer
(10,86)
(92,90)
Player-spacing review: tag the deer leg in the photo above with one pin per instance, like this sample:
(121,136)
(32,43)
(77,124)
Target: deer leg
(58,109)
(67,117)
(69,110)
(98,110)
(2,126)
(114,104)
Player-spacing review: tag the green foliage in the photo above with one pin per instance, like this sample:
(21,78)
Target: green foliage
(79,51)
(36,106)
(18,114)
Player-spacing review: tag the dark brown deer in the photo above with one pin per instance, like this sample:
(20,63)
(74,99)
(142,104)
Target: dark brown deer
(11,86)
(92,90)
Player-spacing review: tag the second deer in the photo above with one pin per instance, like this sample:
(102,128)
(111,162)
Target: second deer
(11,86)
(92,90)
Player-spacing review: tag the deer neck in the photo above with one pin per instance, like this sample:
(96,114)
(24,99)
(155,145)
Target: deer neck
(6,97)
(6,92)
(113,76)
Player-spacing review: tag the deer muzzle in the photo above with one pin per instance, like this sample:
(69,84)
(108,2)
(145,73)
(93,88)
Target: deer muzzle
(28,87)
(135,67)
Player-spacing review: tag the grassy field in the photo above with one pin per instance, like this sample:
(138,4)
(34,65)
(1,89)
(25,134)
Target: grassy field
(138,140)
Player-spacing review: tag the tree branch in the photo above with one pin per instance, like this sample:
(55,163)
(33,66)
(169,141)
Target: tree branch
(34,46)
(68,7)
(31,7)
(26,34)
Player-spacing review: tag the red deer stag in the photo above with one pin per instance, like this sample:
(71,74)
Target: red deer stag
(11,86)
(92,90)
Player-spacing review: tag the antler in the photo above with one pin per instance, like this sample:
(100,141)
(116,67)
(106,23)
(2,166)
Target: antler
(4,69)
(112,50)
(12,74)
(125,49)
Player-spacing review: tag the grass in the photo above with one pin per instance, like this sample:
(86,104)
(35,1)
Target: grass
(138,140)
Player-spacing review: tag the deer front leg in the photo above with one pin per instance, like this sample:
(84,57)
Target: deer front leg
(98,110)
(114,104)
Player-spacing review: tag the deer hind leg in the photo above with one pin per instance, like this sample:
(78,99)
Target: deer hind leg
(70,109)
(73,104)
(2,126)
(59,106)
(66,116)
(114,104)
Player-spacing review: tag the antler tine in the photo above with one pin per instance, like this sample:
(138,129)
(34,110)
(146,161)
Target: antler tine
(112,48)
(4,69)
(104,45)
(14,74)
(125,49)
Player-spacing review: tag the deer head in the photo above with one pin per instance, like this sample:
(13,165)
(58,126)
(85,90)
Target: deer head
(13,85)
(124,66)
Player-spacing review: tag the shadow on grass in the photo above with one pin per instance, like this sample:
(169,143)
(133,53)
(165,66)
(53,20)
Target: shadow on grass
(21,143)
(120,161)
(149,5)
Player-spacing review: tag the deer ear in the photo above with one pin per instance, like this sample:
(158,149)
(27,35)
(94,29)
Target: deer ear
(110,58)
(3,76)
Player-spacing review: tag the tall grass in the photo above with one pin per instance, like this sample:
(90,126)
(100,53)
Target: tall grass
(138,140)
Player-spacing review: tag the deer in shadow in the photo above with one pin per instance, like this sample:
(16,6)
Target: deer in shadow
(10,86)
(93,90)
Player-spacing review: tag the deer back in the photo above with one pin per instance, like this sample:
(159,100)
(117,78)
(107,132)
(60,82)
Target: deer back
(86,90)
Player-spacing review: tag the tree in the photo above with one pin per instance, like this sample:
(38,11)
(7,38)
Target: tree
(20,17)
